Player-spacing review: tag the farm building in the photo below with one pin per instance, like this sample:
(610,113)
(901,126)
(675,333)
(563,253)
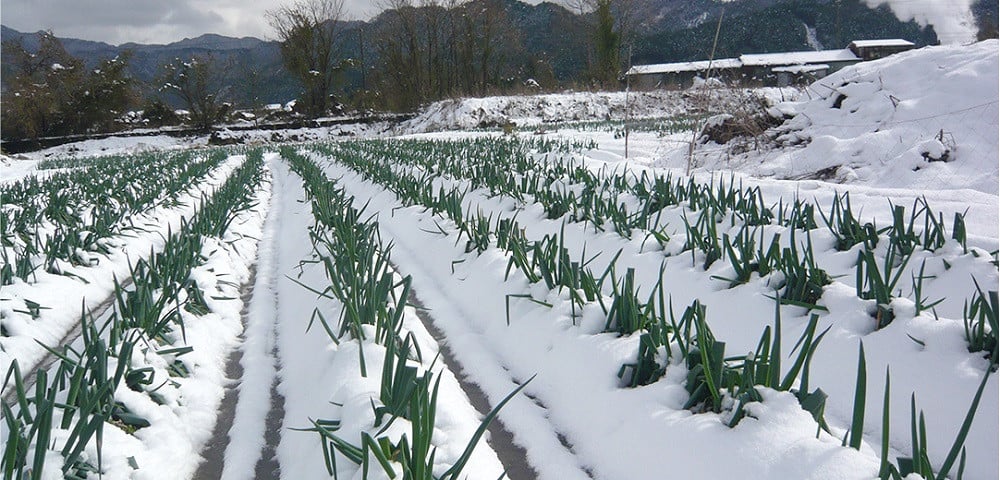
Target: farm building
(800,74)
(779,69)
(875,49)
(682,73)
(761,68)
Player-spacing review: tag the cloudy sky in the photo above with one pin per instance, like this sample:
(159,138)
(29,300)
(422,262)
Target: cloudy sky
(165,21)
(952,19)
(152,21)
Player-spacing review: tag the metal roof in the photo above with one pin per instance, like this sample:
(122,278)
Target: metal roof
(677,67)
(813,67)
(822,57)
(886,42)
(798,58)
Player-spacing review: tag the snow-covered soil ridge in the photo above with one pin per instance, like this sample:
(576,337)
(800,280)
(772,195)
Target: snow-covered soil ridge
(925,118)
(548,340)
(61,296)
(148,378)
(528,110)
(342,371)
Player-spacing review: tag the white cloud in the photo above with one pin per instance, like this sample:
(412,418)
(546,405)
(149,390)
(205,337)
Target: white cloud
(164,21)
(151,21)
(952,19)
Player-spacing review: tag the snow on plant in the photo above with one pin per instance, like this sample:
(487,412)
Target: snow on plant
(357,266)
(69,216)
(730,219)
(918,462)
(73,404)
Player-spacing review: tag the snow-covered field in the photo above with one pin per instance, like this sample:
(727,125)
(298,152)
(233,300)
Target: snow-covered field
(463,218)
(924,119)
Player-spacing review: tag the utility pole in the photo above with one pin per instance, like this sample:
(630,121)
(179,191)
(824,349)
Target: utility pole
(708,73)
(836,23)
(361,43)
(628,110)
(715,43)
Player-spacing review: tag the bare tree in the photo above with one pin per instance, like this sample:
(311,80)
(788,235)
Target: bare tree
(50,92)
(308,31)
(194,82)
(614,23)
(431,49)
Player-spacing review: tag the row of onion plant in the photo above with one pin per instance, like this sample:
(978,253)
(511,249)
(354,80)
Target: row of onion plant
(357,264)
(547,261)
(546,173)
(70,215)
(78,394)
(714,380)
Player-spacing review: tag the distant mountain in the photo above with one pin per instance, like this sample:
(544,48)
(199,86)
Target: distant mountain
(657,16)
(550,35)
(78,48)
(764,26)
(209,41)
(249,66)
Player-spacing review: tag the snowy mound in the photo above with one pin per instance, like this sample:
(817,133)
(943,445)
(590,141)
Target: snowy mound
(925,118)
(470,113)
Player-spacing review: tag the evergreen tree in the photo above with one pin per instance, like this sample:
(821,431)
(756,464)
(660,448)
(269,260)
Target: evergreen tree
(606,45)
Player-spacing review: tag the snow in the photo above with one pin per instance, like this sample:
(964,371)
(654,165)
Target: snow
(472,113)
(15,168)
(896,118)
(171,444)
(952,19)
(801,68)
(721,63)
(576,368)
(168,448)
(305,134)
(797,58)
(246,435)
(22,164)
(310,362)
(921,124)
(811,38)
(62,296)
(889,42)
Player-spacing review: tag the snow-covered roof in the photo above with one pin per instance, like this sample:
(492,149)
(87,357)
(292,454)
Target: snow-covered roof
(684,66)
(801,68)
(885,42)
(798,58)
(820,58)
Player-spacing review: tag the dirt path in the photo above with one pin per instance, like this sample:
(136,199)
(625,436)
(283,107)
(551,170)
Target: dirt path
(252,409)
(263,301)
(268,466)
(214,452)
